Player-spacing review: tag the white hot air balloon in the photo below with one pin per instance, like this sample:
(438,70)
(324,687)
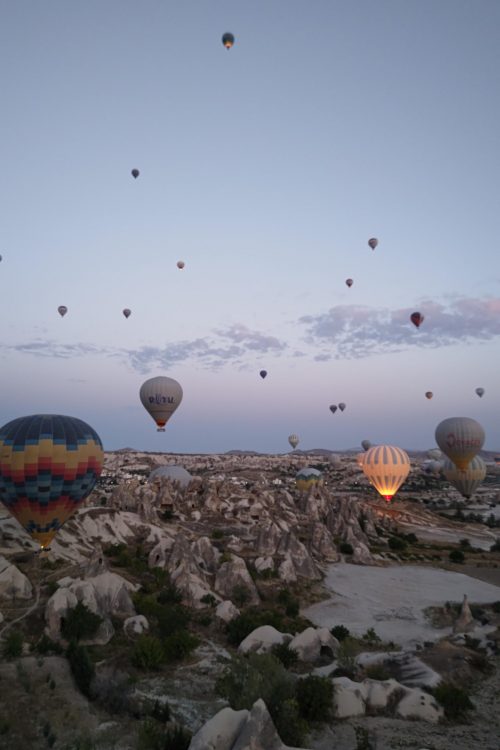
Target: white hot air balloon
(460,438)
(293,440)
(387,468)
(466,482)
(160,397)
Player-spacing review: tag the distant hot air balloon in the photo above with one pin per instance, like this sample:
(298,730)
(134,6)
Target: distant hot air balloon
(49,464)
(373,242)
(429,394)
(263,374)
(366,445)
(306,478)
(180,264)
(62,310)
(293,440)
(460,438)
(434,453)
(349,282)
(333,408)
(0,258)
(341,406)
(466,482)
(135,173)
(127,312)
(480,392)
(160,397)
(387,468)
(335,460)
(432,468)
(417,319)
(228,40)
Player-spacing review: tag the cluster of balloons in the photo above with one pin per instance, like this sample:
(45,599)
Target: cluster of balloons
(478,391)
(333,407)
(62,310)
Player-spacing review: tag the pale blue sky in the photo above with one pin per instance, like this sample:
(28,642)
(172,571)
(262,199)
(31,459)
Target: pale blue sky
(265,168)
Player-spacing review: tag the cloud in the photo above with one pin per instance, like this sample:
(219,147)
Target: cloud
(252,340)
(358,331)
(52,349)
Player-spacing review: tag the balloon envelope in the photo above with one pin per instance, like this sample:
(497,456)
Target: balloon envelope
(307,477)
(263,373)
(228,40)
(341,406)
(135,173)
(127,312)
(466,482)
(460,438)
(366,445)
(173,472)
(480,392)
(160,397)
(49,464)
(62,310)
(335,460)
(417,319)
(349,282)
(429,394)
(293,440)
(180,264)
(333,408)
(386,468)
(373,242)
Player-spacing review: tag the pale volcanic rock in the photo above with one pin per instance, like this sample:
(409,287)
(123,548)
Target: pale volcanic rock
(286,570)
(258,732)
(113,594)
(233,574)
(312,643)
(221,731)
(205,554)
(159,555)
(191,583)
(304,565)
(268,538)
(377,693)
(56,609)
(464,622)
(13,583)
(262,639)
(348,698)
(417,704)
(264,563)
(321,544)
(226,611)
(136,625)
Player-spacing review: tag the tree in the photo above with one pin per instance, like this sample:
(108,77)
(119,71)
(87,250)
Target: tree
(80,623)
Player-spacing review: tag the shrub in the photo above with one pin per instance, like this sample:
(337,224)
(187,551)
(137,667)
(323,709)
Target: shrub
(377,672)
(454,700)
(242,625)
(79,623)
(240,595)
(259,676)
(112,689)
(170,594)
(456,556)
(148,652)
(172,619)
(314,696)
(290,725)
(81,667)
(13,644)
(397,544)
(371,637)
(464,543)
(286,655)
(179,645)
(217,534)
(45,645)
(176,738)
(495,606)
(340,632)
(346,548)
(411,538)
(495,547)
(209,600)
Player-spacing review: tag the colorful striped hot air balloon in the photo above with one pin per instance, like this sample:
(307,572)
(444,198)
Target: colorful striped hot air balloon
(49,464)
(466,482)
(307,477)
(387,468)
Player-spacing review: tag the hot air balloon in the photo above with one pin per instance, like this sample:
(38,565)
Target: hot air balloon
(333,408)
(49,464)
(263,374)
(293,440)
(160,397)
(460,438)
(0,258)
(387,468)
(335,460)
(366,445)
(306,478)
(429,394)
(349,282)
(135,173)
(434,453)
(373,242)
(180,264)
(228,40)
(466,482)
(480,392)
(432,467)
(127,312)
(341,406)
(173,472)
(417,319)
(62,310)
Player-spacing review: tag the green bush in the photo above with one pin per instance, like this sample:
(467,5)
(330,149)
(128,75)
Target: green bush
(148,652)
(172,619)
(170,594)
(397,544)
(176,738)
(217,534)
(259,676)
(314,696)
(377,672)
(153,736)
(340,632)
(371,637)
(290,725)
(286,655)
(209,600)
(454,700)
(346,548)
(240,595)
(79,622)
(45,645)
(456,556)
(179,645)
(13,644)
(81,667)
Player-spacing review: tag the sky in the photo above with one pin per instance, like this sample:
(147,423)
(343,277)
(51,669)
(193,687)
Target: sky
(266,169)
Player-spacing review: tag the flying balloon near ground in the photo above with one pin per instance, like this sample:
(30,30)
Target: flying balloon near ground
(263,374)
(135,173)
(417,319)
(160,397)
(62,310)
(480,392)
(429,394)
(293,440)
(373,242)
(228,40)
(49,464)
(126,312)
(466,482)
(460,438)
(386,467)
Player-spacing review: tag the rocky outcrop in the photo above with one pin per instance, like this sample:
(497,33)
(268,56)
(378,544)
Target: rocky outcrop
(136,625)
(464,622)
(262,639)
(226,611)
(13,583)
(313,644)
(233,575)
